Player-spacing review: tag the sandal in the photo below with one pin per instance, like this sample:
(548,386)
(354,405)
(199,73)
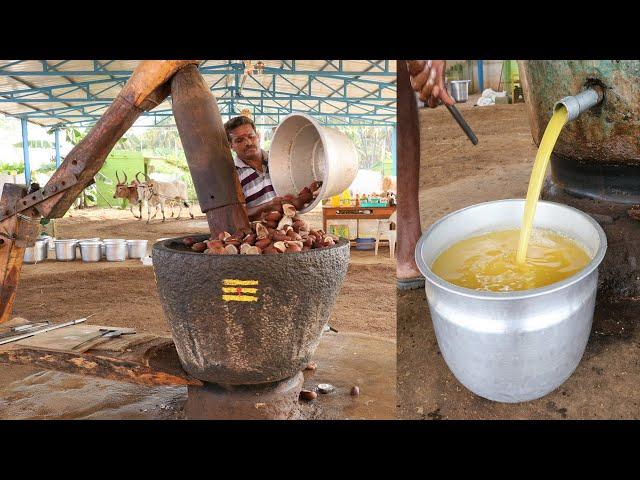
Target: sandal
(410,283)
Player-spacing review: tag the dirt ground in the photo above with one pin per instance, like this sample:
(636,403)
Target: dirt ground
(455,174)
(124,294)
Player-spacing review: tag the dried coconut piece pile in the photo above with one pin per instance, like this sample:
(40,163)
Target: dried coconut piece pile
(275,233)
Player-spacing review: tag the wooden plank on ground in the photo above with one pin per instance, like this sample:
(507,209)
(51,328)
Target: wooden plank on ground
(67,339)
(144,359)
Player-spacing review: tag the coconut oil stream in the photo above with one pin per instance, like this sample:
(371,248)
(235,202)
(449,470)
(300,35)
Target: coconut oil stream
(517,259)
(549,138)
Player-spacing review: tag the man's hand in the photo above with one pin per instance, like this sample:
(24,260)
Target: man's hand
(427,78)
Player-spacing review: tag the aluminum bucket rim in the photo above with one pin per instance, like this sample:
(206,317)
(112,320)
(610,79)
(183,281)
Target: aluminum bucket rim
(517,294)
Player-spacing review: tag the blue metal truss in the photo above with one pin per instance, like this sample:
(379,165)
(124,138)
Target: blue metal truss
(262,94)
(366,97)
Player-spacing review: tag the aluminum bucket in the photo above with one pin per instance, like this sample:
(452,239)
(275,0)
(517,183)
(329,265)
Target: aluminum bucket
(91,251)
(81,240)
(66,249)
(459,90)
(115,249)
(303,151)
(137,248)
(512,346)
(38,252)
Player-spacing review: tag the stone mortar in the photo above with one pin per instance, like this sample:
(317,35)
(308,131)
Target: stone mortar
(227,341)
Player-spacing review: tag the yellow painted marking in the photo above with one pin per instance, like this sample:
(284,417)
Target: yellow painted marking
(239,290)
(239,298)
(239,282)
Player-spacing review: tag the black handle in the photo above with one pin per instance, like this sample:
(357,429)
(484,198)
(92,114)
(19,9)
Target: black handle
(463,124)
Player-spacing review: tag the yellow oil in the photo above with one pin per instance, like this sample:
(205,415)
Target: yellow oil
(488,261)
(549,138)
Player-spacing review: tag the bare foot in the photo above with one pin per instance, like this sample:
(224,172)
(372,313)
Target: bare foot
(407,270)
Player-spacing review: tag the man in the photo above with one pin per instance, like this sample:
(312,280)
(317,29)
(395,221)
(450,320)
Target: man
(252,166)
(427,78)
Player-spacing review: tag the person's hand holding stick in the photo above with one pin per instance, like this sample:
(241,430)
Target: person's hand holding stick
(427,78)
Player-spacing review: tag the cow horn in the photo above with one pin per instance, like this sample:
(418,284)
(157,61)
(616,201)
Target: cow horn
(125,176)
(118,177)
(138,178)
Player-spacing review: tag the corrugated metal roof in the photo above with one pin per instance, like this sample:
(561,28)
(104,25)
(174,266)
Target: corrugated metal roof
(59,92)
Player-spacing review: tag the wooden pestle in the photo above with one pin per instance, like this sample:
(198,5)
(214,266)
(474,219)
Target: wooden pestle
(206,147)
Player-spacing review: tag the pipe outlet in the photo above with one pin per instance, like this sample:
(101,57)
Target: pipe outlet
(576,104)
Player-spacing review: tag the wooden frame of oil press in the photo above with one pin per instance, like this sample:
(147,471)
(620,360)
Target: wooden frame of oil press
(150,84)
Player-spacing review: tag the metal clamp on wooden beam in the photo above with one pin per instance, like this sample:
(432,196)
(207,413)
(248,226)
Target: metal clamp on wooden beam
(34,198)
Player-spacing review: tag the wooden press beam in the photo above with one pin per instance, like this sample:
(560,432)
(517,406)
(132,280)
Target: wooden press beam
(207,150)
(148,86)
(15,234)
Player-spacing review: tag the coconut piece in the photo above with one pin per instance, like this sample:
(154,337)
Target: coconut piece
(230,250)
(261,231)
(284,222)
(289,210)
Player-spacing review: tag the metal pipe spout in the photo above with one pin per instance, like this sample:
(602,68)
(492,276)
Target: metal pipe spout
(579,103)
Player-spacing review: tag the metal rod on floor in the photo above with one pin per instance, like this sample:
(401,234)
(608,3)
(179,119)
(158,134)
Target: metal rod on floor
(46,329)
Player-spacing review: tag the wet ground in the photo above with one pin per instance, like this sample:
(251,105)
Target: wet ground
(343,360)
(455,174)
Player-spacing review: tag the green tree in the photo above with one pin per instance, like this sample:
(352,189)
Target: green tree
(372,143)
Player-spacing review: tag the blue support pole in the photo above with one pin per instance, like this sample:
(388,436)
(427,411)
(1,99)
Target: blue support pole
(480,75)
(57,134)
(25,152)
(394,152)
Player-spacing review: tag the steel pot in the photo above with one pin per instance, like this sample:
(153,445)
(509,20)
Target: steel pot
(37,253)
(460,90)
(79,250)
(66,249)
(91,251)
(512,346)
(103,248)
(115,249)
(137,248)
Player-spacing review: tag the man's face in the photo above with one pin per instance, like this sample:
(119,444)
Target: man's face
(245,141)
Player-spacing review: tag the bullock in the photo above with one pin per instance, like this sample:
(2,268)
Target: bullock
(130,192)
(158,193)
